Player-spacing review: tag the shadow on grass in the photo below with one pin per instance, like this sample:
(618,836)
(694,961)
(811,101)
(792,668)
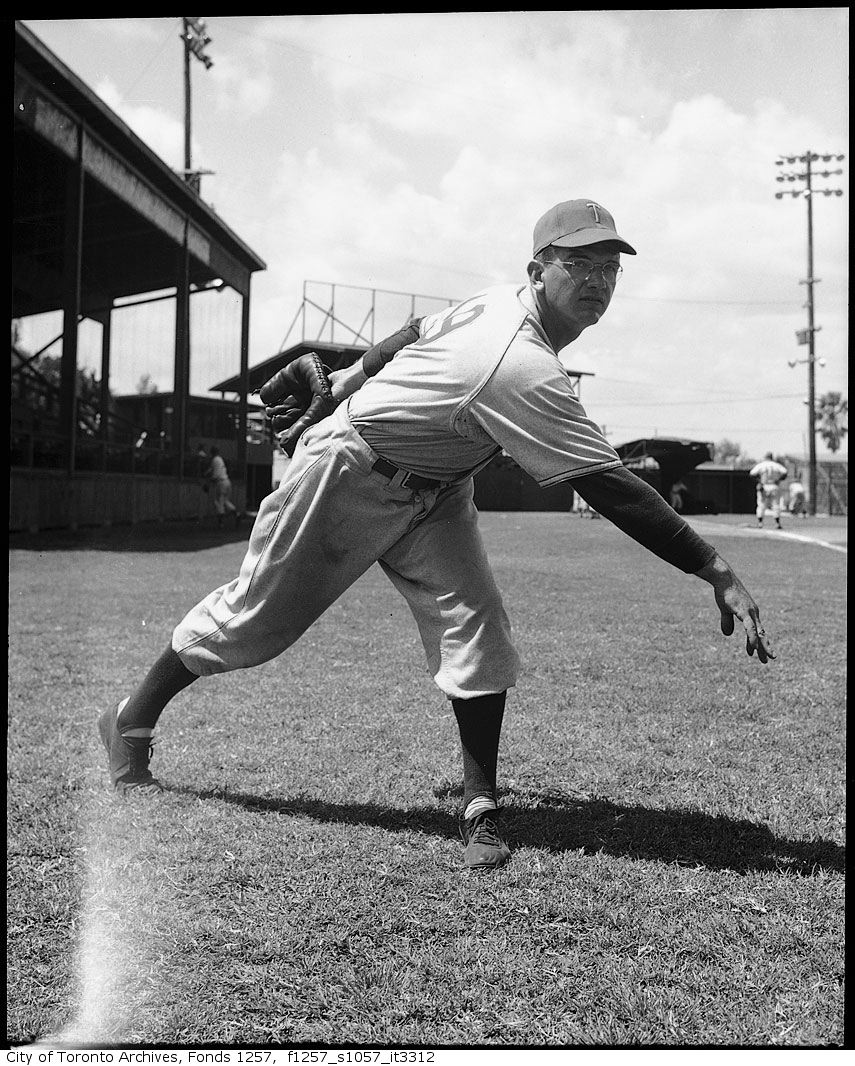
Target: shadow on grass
(556,823)
(189,536)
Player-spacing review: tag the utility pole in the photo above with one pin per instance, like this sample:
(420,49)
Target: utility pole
(808,336)
(195,37)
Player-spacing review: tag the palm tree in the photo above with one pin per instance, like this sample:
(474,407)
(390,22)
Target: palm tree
(832,413)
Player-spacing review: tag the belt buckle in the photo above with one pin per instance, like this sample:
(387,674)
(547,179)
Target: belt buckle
(407,479)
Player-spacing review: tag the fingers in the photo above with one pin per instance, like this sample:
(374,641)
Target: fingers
(745,609)
(286,404)
(318,409)
(767,647)
(756,638)
(282,418)
(763,646)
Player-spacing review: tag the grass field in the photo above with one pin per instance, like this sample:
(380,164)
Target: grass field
(676,811)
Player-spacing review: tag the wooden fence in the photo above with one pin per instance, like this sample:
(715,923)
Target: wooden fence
(51,499)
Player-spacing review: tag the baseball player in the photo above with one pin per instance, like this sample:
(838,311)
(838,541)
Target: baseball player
(384,454)
(221,486)
(769,474)
(796,503)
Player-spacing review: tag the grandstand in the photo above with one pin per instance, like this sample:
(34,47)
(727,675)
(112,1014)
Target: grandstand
(104,232)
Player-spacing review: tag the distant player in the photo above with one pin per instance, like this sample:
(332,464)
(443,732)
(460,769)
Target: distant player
(797,502)
(384,454)
(221,487)
(678,496)
(769,474)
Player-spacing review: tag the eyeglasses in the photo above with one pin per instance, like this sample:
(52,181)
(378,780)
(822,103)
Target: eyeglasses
(581,269)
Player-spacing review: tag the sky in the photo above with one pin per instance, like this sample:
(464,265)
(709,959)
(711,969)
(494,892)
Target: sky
(414,153)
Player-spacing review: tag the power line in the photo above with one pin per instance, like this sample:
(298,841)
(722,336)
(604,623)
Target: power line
(653,384)
(702,403)
(166,40)
(753,431)
(715,303)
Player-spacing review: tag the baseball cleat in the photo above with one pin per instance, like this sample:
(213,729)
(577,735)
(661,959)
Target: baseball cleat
(129,757)
(485,849)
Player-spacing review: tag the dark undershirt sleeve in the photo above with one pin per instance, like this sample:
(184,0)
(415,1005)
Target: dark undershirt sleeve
(380,354)
(638,509)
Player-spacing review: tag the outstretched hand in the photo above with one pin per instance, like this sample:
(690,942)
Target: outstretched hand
(734,601)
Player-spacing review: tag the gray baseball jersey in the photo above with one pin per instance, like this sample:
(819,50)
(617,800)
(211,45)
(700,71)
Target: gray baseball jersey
(481,377)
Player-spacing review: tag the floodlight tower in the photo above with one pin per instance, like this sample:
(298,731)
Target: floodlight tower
(195,36)
(807,336)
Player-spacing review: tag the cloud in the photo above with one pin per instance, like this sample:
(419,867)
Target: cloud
(161,131)
(244,88)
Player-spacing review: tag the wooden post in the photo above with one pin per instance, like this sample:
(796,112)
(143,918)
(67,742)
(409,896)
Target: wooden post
(72,265)
(104,400)
(182,356)
(242,448)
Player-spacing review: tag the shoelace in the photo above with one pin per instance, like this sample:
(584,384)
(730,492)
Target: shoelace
(485,831)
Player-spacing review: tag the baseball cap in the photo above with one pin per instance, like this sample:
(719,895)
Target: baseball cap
(575,223)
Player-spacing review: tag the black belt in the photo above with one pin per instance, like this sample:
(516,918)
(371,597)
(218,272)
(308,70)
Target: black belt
(409,480)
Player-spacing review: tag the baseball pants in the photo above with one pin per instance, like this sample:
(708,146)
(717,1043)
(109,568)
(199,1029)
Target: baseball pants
(768,499)
(222,497)
(331,517)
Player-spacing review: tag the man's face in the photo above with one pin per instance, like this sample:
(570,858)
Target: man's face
(575,300)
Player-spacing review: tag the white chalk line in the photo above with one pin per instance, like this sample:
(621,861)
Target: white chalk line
(719,529)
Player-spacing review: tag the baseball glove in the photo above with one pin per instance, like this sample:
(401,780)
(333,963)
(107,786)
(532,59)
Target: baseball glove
(296,397)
